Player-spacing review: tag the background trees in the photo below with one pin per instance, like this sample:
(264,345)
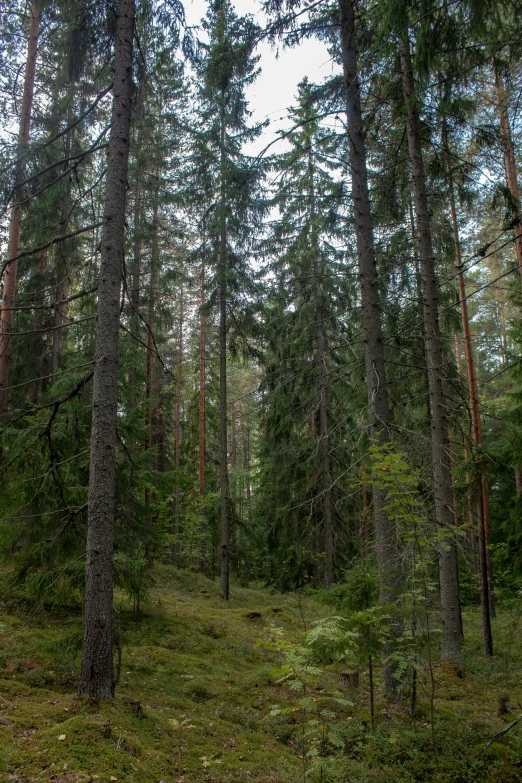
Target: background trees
(278,327)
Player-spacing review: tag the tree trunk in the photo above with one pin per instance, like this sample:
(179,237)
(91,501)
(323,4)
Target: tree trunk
(390,576)
(38,343)
(510,166)
(177,434)
(223,428)
(324,442)
(509,160)
(96,679)
(62,261)
(13,247)
(365,520)
(136,261)
(476,421)
(449,592)
(201,417)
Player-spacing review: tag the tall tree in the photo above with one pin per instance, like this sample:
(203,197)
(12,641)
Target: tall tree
(451,649)
(97,678)
(15,224)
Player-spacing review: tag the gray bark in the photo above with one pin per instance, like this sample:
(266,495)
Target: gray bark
(440,444)
(223,424)
(386,542)
(96,678)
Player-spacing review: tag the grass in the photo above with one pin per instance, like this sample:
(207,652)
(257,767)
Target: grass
(205,688)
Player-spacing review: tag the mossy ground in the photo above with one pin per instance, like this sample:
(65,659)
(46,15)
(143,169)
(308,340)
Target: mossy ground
(205,689)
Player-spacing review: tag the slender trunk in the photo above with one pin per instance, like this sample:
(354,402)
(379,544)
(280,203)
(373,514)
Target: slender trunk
(223,428)
(136,261)
(149,367)
(177,434)
(324,441)
(365,520)
(449,593)
(509,161)
(202,352)
(233,437)
(476,421)
(62,264)
(386,541)
(38,344)
(96,679)
(15,225)
(510,166)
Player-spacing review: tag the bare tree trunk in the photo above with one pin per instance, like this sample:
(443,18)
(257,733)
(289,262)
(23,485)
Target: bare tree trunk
(137,244)
(223,424)
(177,434)
(509,160)
(62,262)
(476,421)
(510,166)
(15,225)
(365,520)
(202,373)
(324,441)
(386,540)
(96,678)
(449,592)
(38,345)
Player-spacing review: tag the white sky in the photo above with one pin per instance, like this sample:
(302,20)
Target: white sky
(276,86)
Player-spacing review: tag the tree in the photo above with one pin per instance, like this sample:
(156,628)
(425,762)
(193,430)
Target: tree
(97,679)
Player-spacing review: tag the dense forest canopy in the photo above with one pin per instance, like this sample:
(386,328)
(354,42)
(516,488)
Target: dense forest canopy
(281,353)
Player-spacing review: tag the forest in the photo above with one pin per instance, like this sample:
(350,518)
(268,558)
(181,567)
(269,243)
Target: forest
(260,392)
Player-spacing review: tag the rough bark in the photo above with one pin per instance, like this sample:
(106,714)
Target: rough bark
(62,251)
(474,401)
(15,224)
(324,442)
(510,164)
(386,541)
(201,412)
(137,244)
(177,434)
(223,423)
(96,678)
(449,593)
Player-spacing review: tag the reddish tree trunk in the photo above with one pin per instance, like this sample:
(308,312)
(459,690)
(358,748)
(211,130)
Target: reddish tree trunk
(15,225)
(476,421)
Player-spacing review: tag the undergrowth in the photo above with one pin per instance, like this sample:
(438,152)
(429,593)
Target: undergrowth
(201,697)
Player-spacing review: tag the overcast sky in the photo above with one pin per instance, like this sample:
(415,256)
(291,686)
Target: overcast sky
(276,87)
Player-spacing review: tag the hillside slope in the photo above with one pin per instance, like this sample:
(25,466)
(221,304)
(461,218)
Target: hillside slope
(195,696)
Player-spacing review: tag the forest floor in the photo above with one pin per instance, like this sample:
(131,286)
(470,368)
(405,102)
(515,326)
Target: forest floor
(206,690)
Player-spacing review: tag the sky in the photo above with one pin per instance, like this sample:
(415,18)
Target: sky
(276,86)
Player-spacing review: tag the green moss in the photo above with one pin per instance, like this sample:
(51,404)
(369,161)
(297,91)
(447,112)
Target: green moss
(206,688)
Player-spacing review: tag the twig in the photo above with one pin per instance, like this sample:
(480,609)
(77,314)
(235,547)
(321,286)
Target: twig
(497,736)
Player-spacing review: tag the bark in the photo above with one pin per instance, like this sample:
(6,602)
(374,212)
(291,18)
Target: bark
(136,261)
(177,434)
(38,345)
(15,224)
(324,441)
(449,593)
(476,420)
(365,525)
(62,251)
(510,166)
(509,161)
(201,412)
(96,679)
(390,576)
(223,424)
(149,368)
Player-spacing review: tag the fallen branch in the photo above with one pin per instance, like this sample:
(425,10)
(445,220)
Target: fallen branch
(497,736)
